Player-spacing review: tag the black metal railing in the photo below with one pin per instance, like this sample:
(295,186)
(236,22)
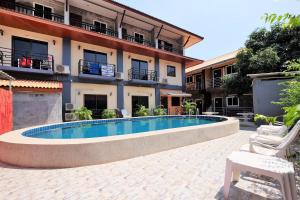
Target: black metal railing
(232,111)
(215,82)
(29,10)
(149,75)
(194,86)
(96,68)
(176,50)
(25,59)
(138,40)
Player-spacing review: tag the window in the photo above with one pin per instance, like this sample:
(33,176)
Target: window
(95,57)
(189,79)
(42,11)
(100,27)
(95,103)
(29,53)
(139,69)
(175,101)
(232,101)
(171,71)
(139,101)
(165,45)
(139,38)
(230,69)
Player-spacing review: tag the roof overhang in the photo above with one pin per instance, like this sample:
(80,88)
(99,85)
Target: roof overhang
(39,25)
(176,94)
(5,76)
(273,75)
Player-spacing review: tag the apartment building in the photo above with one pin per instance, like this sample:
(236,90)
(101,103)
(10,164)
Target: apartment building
(204,82)
(106,54)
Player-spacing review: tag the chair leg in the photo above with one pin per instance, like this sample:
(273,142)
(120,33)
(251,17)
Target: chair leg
(236,175)
(227,180)
(292,186)
(283,188)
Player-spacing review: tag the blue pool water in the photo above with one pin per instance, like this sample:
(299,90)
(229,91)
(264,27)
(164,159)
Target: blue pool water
(103,128)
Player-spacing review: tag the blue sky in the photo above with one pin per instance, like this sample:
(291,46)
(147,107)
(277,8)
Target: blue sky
(225,24)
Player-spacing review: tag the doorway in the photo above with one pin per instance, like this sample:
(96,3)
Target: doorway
(95,103)
(139,101)
(199,105)
(217,74)
(218,104)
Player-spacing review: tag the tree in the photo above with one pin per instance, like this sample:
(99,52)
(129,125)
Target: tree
(287,20)
(265,51)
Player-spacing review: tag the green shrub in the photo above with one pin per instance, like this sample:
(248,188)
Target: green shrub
(159,110)
(189,107)
(142,111)
(83,113)
(262,119)
(108,114)
(291,115)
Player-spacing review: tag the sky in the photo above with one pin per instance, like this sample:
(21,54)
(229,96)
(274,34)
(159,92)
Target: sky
(224,24)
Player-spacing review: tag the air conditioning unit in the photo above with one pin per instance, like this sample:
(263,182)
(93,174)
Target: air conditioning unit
(164,81)
(120,75)
(62,69)
(69,106)
(70,117)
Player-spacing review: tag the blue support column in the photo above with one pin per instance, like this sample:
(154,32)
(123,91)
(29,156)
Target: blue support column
(183,77)
(66,60)
(120,85)
(157,87)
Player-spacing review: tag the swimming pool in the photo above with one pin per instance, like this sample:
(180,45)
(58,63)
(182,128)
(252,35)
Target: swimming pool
(93,142)
(113,127)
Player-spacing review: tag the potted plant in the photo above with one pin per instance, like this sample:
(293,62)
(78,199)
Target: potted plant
(189,107)
(159,110)
(83,113)
(142,111)
(108,114)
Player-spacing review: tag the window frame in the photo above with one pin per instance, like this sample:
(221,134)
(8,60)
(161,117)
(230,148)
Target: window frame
(100,22)
(37,3)
(173,67)
(188,78)
(232,97)
(226,69)
(172,104)
(142,42)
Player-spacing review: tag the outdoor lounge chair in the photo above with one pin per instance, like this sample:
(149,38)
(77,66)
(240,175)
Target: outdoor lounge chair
(273,150)
(125,113)
(272,130)
(276,168)
(273,135)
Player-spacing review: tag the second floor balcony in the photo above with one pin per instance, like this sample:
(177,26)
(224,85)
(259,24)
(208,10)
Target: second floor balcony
(26,61)
(194,86)
(96,70)
(142,76)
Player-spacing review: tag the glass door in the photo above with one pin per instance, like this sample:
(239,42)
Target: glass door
(139,101)
(95,103)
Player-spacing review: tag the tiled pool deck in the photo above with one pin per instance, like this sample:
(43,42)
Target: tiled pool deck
(193,172)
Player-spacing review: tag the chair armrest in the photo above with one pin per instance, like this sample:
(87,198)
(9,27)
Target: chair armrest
(267,138)
(262,144)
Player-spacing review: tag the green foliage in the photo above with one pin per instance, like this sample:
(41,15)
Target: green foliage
(83,113)
(159,110)
(142,111)
(293,65)
(189,107)
(108,114)
(291,115)
(265,51)
(287,20)
(290,94)
(266,119)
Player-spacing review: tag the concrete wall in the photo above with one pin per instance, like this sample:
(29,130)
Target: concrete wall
(31,109)
(78,90)
(177,80)
(265,92)
(55,50)
(77,54)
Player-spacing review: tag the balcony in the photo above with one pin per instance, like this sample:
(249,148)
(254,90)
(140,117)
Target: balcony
(194,86)
(29,10)
(23,61)
(147,77)
(177,50)
(97,71)
(133,39)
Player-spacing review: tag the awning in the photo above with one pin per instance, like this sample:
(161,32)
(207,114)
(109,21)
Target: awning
(32,84)
(176,94)
(5,76)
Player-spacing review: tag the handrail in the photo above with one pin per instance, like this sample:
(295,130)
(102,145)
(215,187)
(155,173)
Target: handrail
(96,68)
(138,41)
(178,50)
(142,74)
(25,59)
(29,10)
(93,28)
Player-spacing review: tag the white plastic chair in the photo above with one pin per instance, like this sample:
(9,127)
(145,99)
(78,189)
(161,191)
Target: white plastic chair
(125,113)
(277,168)
(273,150)
(272,130)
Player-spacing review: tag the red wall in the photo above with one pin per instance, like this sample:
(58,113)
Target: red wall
(6,111)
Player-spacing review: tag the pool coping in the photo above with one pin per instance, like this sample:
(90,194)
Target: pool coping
(58,153)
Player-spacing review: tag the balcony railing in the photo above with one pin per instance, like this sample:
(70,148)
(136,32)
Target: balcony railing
(138,40)
(215,82)
(29,10)
(25,59)
(147,75)
(96,68)
(194,86)
(176,50)
(93,28)
(232,111)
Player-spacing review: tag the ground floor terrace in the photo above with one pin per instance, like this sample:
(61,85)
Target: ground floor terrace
(191,172)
